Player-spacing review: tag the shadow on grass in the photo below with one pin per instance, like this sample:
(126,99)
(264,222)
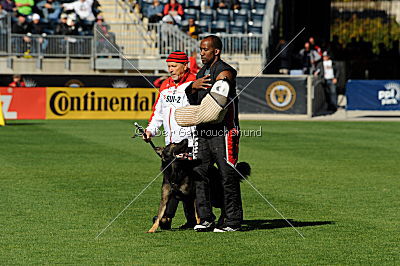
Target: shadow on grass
(8,124)
(249,225)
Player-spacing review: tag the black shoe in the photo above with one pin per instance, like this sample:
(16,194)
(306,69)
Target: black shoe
(204,227)
(187,226)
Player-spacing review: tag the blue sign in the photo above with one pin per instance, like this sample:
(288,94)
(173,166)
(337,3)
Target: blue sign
(376,95)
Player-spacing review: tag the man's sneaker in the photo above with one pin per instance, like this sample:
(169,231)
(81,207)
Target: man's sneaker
(204,226)
(226,229)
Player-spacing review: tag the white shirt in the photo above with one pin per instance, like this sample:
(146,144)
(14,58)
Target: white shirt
(169,99)
(328,70)
(82,9)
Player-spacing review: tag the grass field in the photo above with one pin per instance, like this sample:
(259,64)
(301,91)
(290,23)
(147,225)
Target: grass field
(62,182)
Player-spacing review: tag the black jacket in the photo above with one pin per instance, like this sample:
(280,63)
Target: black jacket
(231,119)
(321,71)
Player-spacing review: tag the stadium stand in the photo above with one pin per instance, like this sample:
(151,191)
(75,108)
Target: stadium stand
(99,32)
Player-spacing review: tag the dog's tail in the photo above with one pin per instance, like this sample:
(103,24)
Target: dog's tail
(244,169)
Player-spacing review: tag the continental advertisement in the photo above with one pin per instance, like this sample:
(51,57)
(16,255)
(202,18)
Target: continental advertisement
(77,103)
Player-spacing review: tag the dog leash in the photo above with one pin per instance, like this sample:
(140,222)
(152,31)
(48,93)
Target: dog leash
(142,133)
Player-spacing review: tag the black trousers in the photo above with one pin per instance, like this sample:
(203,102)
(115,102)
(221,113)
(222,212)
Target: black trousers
(213,150)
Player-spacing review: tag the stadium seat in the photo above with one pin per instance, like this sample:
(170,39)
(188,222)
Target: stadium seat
(254,27)
(245,5)
(204,26)
(191,13)
(207,15)
(237,27)
(223,14)
(241,15)
(260,4)
(184,23)
(257,15)
(193,4)
(220,26)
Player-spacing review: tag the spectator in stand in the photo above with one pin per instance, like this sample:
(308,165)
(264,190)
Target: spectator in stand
(226,4)
(284,58)
(194,67)
(62,26)
(17,81)
(308,58)
(83,8)
(155,12)
(174,10)
(66,26)
(157,83)
(9,6)
(51,10)
(24,7)
(21,26)
(37,28)
(192,29)
(3,13)
(328,72)
(313,46)
(104,35)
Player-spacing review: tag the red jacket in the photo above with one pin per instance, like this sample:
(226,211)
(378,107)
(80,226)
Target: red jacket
(15,84)
(175,7)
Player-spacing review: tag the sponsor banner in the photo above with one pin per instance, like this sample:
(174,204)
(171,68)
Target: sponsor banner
(376,95)
(88,81)
(23,103)
(2,123)
(273,95)
(99,103)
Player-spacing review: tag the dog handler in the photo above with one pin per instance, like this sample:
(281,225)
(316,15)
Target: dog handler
(172,95)
(218,142)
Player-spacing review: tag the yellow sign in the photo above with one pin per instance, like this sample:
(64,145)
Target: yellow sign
(2,122)
(99,103)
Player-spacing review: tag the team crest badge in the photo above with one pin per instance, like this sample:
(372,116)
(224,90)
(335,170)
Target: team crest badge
(280,95)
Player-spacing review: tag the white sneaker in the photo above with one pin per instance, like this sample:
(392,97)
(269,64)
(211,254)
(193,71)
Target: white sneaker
(204,226)
(225,229)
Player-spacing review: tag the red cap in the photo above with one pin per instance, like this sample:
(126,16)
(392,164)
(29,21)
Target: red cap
(178,57)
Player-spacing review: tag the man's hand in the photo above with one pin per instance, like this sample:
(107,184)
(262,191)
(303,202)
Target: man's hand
(334,81)
(202,83)
(147,136)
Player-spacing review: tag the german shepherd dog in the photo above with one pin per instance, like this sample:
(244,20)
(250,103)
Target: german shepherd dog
(178,178)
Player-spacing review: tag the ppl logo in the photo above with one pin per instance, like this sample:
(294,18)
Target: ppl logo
(390,96)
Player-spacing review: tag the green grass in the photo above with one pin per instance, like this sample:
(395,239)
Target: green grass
(62,182)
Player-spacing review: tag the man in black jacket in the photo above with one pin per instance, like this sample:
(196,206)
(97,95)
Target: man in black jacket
(328,73)
(217,142)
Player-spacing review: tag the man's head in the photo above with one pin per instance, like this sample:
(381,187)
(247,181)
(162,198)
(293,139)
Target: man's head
(21,18)
(325,56)
(36,18)
(191,22)
(311,40)
(177,65)
(16,78)
(307,46)
(210,49)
